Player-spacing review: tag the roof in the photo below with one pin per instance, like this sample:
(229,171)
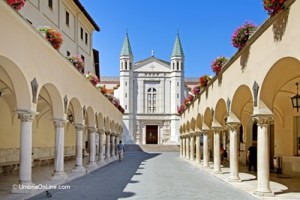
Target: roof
(126,48)
(87,15)
(177,50)
(151,59)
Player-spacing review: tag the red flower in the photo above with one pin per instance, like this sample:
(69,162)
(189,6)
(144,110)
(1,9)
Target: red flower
(203,80)
(16,4)
(218,63)
(274,6)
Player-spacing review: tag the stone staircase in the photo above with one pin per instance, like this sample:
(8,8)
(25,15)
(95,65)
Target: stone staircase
(152,148)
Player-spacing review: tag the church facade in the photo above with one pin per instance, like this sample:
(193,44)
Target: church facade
(150,91)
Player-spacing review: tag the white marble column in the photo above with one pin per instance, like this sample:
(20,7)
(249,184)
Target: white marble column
(234,162)
(263,155)
(192,146)
(183,146)
(198,147)
(107,148)
(205,149)
(59,172)
(217,158)
(187,146)
(101,147)
(92,157)
(113,146)
(25,176)
(78,163)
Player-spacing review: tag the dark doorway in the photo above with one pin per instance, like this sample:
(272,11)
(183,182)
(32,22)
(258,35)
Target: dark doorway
(151,134)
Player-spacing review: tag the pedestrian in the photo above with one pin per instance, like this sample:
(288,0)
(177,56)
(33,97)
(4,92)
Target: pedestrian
(121,149)
(252,157)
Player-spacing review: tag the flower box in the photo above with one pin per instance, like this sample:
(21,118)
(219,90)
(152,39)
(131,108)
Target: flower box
(77,62)
(274,6)
(218,63)
(203,80)
(53,36)
(16,4)
(242,34)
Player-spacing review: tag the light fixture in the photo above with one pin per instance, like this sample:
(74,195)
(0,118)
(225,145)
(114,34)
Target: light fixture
(296,100)
(70,118)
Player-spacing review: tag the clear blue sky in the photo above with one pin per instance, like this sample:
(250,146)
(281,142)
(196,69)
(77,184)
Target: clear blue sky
(205,29)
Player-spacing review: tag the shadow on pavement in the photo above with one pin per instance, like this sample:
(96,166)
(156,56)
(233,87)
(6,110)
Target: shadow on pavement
(106,183)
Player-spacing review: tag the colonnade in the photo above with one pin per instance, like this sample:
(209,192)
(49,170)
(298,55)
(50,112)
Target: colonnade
(190,141)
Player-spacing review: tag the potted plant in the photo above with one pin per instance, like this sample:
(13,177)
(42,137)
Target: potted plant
(181,109)
(53,36)
(218,63)
(242,34)
(274,6)
(16,4)
(196,90)
(77,62)
(93,78)
(203,80)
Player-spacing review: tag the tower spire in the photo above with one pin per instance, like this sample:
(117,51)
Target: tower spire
(126,48)
(177,50)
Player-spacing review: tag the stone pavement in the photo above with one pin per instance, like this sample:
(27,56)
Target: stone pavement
(163,176)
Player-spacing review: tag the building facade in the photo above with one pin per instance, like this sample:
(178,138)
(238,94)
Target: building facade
(46,116)
(150,91)
(249,101)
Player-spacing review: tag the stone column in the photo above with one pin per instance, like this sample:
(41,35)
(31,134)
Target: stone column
(183,146)
(92,157)
(234,162)
(198,148)
(192,146)
(25,153)
(187,145)
(217,158)
(107,148)
(263,155)
(205,149)
(59,172)
(180,147)
(101,147)
(78,163)
(113,146)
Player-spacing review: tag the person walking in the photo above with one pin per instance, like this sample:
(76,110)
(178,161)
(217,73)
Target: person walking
(121,149)
(252,157)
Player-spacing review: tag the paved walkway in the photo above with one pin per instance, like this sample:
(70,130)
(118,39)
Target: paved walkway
(148,176)
(159,176)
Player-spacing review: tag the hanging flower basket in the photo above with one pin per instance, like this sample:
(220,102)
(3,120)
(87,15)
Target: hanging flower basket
(196,90)
(93,78)
(203,80)
(274,6)
(16,4)
(181,109)
(77,62)
(53,36)
(242,34)
(218,63)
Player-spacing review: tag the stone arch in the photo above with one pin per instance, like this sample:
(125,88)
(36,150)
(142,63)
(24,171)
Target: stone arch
(90,117)
(75,108)
(19,89)
(184,129)
(112,126)
(207,119)
(188,128)
(107,124)
(242,102)
(199,122)
(193,125)
(100,121)
(221,112)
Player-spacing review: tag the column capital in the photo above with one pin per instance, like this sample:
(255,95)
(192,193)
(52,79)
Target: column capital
(101,131)
(25,116)
(263,119)
(59,122)
(205,131)
(79,127)
(107,132)
(216,129)
(92,129)
(233,125)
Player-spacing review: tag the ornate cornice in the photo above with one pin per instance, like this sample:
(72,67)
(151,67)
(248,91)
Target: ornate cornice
(59,123)
(79,127)
(26,116)
(263,120)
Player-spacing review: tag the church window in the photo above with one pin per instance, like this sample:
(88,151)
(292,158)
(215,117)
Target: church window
(177,65)
(125,83)
(173,66)
(125,107)
(125,65)
(177,84)
(125,95)
(177,96)
(182,66)
(151,100)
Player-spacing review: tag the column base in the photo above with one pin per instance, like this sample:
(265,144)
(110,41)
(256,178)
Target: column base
(100,162)
(267,193)
(23,188)
(217,172)
(107,159)
(234,179)
(79,170)
(59,176)
(92,165)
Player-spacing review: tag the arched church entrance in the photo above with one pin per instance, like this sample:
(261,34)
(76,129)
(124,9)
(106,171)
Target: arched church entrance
(151,134)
